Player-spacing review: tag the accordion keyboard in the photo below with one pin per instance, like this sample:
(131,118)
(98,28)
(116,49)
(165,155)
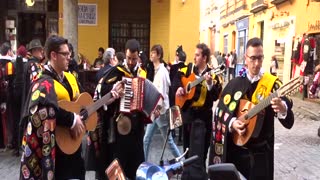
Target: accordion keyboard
(125,101)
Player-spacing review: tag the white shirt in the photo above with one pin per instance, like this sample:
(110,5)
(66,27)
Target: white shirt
(162,82)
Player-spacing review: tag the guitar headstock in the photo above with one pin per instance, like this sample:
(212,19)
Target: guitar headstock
(291,87)
(218,70)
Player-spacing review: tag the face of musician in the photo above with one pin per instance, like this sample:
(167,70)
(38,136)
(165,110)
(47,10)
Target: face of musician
(254,58)
(199,59)
(60,59)
(132,59)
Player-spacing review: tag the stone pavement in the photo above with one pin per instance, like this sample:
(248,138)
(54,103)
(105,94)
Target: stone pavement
(297,151)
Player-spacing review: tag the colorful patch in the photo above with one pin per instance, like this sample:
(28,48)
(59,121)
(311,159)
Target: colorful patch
(37,171)
(46,138)
(35,87)
(25,171)
(35,120)
(50,175)
(225,117)
(218,136)
(219,126)
(33,140)
(47,162)
(218,148)
(43,95)
(227,99)
(32,162)
(47,85)
(46,150)
(52,140)
(33,109)
(232,106)
(29,128)
(220,113)
(35,95)
(43,113)
(237,95)
(216,160)
(51,112)
(217,111)
(27,151)
(223,128)
(49,124)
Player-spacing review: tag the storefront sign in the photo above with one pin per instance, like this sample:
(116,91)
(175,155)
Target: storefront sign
(242,24)
(314,27)
(280,24)
(87,14)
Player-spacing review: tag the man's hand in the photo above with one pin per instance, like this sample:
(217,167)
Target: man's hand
(277,105)
(180,91)
(78,128)
(239,127)
(117,90)
(208,78)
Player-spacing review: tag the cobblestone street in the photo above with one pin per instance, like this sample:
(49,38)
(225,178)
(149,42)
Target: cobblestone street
(297,151)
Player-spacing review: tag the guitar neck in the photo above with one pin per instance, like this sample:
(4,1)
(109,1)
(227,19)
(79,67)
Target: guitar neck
(262,105)
(196,82)
(105,100)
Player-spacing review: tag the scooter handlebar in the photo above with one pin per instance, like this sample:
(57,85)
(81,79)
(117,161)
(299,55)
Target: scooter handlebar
(190,160)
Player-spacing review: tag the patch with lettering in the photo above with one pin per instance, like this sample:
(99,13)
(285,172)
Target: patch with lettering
(35,95)
(232,106)
(49,124)
(227,99)
(218,148)
(237,95)
(43,113)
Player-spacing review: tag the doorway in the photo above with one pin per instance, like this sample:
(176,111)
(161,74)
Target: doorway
(31,26)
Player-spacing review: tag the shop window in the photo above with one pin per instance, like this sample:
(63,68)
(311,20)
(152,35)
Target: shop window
(279,51)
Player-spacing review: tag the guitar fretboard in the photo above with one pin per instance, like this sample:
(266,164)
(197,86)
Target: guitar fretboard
(262,105)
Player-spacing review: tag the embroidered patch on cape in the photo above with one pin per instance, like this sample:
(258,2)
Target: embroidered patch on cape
(218,148)
(232,106)
(35,95)
(237,95)
(227,99)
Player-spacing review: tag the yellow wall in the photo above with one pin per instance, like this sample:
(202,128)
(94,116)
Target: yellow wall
(173,24)
(159,25)
(91,37)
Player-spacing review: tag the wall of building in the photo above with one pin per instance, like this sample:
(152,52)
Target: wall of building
(90,38)
(175,23)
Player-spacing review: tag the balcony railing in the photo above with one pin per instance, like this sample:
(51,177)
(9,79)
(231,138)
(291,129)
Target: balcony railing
(277,2)
(232,7)
(258,6)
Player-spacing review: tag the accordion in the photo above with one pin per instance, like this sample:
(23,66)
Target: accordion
(140,95)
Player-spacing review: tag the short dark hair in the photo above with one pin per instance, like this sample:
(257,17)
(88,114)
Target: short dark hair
(4,49)
(101,49)
(182,56)
(133,45)
(53,43)
(158,48)
(254,42)
(120,56)
(205,50)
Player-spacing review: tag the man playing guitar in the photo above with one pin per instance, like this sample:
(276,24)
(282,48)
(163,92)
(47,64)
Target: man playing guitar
(197,112)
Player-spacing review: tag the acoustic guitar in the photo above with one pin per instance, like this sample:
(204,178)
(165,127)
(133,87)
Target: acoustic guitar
(86,108)
(188,83)
(249,113)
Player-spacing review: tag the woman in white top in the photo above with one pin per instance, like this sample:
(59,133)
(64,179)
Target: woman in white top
(161,81)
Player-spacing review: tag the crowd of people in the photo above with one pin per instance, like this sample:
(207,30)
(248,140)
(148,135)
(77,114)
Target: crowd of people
(47,75)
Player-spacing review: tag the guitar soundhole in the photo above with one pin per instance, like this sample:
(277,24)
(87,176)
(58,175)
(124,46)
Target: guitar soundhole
(84,114)
(188,88)
(246,117)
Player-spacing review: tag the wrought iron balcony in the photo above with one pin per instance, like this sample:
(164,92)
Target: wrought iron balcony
(258,6)
(277,2)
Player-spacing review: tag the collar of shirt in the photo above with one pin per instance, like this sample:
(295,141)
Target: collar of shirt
(198,74)
(254,78)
